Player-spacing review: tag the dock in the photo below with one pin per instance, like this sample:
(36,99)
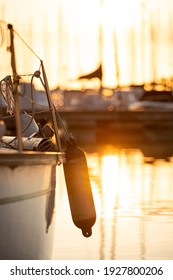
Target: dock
(122,128)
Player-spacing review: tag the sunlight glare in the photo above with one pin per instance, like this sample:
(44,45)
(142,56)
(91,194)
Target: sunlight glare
(110,181)
(73,37)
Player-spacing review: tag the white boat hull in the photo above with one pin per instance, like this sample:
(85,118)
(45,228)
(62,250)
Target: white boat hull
(27,189)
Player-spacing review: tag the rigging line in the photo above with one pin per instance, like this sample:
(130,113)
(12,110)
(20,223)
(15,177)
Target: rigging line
(5,144)
(26,44)
(33,107)
(42,111)
(6,92)
(61,122)
(36,113)
(43,84)
(57,114)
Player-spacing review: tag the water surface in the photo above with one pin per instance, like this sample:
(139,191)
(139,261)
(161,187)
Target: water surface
(134,204)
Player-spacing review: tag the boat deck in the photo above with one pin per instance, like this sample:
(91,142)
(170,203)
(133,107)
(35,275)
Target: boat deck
(29,157)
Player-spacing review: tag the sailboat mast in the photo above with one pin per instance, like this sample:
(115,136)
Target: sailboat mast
(153,49)
(15,89)
(143,40)
(133,57)
(116,59)
(101,42)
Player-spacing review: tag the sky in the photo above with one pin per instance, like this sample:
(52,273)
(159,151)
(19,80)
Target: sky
(132,39)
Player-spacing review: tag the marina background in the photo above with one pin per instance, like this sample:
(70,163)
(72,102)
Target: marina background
(132,39)
(131,183)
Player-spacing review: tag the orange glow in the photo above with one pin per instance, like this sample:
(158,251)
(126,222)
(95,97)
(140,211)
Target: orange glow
(134,203)
(110,180)
(73,36)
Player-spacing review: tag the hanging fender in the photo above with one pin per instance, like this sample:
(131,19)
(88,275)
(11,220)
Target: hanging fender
(79,188)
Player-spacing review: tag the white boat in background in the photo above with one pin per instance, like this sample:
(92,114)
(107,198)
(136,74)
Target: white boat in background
(153,101)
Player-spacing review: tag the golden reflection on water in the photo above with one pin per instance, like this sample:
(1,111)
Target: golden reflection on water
(134,205)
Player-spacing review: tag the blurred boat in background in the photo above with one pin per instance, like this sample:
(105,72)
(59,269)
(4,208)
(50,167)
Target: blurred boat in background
(154,101)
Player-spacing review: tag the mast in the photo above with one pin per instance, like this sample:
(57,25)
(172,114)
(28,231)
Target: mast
(116,58)
(143,40)
(15,89)
(101,42)
(133,57)
(153,49)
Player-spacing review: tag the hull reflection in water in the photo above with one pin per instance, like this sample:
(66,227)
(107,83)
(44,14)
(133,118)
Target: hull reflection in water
(134,205)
